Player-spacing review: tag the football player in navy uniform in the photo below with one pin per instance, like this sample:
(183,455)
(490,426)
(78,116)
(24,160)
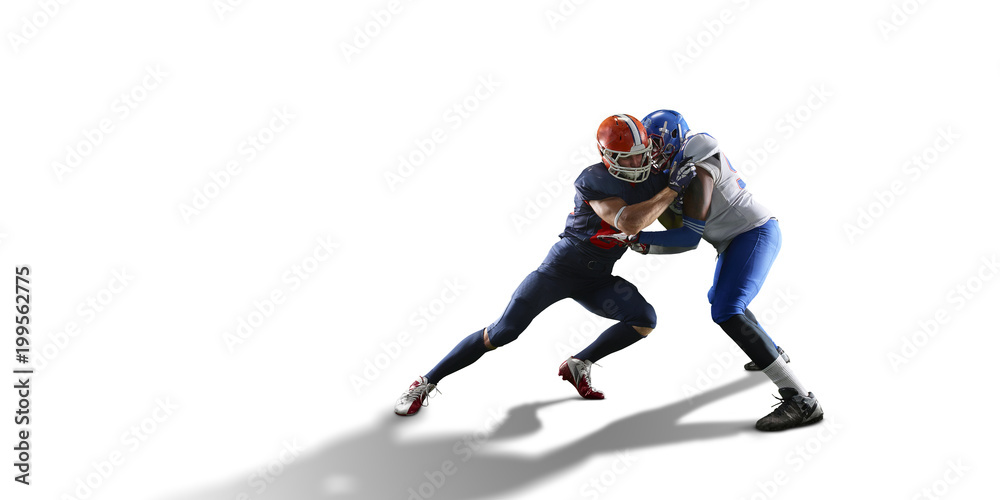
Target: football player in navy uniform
(718,207)
(618,194)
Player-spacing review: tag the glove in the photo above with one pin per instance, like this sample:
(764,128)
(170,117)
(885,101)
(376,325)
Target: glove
(680,176)
(617,239)
(639,247)
(677,206)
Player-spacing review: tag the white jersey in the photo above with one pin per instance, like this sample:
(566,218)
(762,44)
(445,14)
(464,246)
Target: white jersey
(733,210)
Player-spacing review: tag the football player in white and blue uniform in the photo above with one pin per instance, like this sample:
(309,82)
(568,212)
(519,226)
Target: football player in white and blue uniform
(718,208)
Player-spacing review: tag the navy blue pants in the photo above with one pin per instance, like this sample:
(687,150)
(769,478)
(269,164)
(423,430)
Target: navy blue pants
(602,294)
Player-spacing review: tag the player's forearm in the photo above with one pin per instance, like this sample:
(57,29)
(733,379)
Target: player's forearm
(686,236)
(658,250)
(635,218)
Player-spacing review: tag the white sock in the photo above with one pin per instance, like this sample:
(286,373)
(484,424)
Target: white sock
(782,376)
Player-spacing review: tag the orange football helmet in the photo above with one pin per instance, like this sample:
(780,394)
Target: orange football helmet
(623,136)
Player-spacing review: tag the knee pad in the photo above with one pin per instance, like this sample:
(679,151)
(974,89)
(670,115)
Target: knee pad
(644,335)
(500,336)
(506,329)
(644,317)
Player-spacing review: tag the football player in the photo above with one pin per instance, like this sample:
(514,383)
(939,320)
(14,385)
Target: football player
(618,194)
(718,207)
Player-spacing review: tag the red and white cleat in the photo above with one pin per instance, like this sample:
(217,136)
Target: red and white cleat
(414,398)
(577,372)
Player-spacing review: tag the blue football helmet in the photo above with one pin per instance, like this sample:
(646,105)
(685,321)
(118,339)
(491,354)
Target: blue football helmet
(667,130)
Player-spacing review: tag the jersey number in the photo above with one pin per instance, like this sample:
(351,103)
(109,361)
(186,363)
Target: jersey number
(739,181)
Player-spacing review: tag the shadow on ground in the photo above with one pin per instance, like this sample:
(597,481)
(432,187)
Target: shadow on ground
(377,464)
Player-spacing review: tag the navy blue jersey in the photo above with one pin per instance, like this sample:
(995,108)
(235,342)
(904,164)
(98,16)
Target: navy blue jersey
(583,224)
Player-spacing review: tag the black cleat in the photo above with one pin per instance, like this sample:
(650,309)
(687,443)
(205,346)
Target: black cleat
(752,367)
(794,410)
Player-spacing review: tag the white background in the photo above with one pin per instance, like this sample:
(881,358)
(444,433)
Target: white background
(455,234)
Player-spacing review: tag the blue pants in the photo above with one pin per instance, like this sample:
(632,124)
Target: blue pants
(602,294)
(742,269)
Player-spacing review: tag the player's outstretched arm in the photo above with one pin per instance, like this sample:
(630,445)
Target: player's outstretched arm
(697,202)
(631,219)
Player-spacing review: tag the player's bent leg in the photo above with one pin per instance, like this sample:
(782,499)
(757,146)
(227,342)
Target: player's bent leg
(747,335)
(576,369)
(739,275)
(798,407)
(620,300)
(751,366)
(751,317)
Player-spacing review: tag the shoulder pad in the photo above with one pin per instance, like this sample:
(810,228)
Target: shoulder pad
(698,147)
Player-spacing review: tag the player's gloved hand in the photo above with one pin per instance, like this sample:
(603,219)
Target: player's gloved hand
(617,239)
(639,247)
(680,176)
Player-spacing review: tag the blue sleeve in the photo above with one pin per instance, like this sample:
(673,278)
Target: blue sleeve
(685,236)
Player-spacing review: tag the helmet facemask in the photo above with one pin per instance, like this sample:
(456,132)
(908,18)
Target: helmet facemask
(624,147)
(667,131)
(662,155)
(630,174)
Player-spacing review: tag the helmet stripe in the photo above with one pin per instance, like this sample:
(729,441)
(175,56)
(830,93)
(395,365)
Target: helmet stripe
(636,136)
